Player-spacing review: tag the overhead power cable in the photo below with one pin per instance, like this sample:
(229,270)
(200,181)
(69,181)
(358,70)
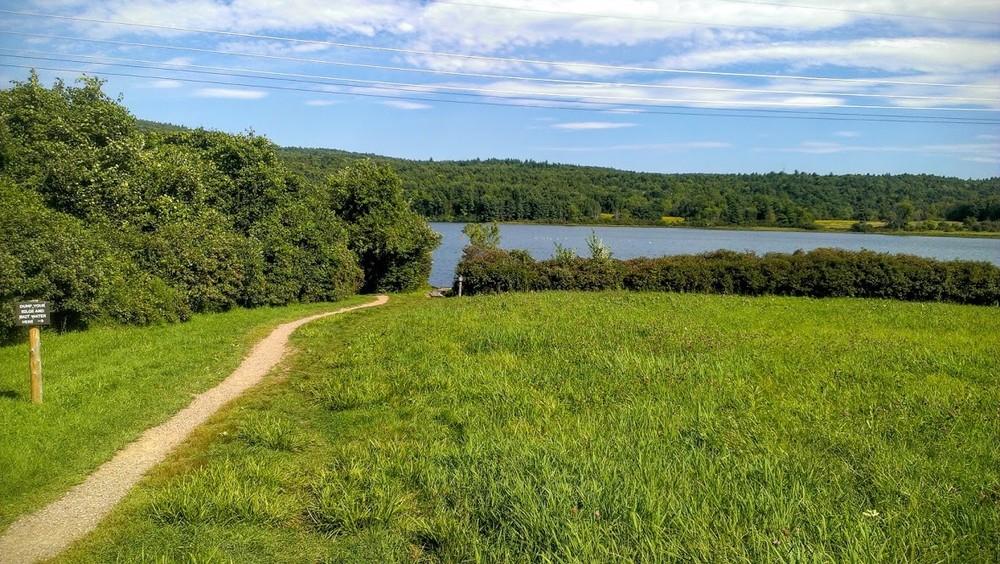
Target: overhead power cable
(428,53)
(501,92)
(432,89)
(964,99)
(592,15)
(580,107)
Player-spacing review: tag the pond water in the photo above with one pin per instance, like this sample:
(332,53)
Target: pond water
(631,242)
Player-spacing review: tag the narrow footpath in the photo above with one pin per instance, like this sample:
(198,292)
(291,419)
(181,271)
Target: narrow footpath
(50,530)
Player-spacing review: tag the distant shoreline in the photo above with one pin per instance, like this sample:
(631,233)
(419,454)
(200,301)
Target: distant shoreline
(896,233)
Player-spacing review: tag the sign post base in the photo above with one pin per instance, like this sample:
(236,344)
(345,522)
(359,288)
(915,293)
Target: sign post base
(35,362)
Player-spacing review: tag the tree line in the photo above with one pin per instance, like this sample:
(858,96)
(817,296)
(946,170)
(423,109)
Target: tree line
(515,190)
(113,221)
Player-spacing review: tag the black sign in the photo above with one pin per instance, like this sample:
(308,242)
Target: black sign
(33,313)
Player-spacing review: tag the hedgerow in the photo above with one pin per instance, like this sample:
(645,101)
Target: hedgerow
(820,273)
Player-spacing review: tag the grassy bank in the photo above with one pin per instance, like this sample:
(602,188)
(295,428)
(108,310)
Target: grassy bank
(104,386)
(821,226)
(598,427)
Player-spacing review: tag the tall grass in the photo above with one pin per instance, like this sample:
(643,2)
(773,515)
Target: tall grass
(605,427)
(103,387)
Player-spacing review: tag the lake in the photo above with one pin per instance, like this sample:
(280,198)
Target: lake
(631,242)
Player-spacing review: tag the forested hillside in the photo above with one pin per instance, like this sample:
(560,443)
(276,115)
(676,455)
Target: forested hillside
(512,190)
(113,221)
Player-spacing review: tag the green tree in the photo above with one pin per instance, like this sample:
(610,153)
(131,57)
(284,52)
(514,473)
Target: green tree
(74,145)
(901,215)
(305,256)
(599,250)
(392,242)
(485,235)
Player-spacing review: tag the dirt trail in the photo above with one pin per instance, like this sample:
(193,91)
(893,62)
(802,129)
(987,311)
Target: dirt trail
(50,530)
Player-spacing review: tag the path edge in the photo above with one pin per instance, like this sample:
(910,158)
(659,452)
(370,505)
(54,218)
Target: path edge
(45,533)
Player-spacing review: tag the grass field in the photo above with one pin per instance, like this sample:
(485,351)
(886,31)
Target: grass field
(598,427)
(844,224)
(103,387)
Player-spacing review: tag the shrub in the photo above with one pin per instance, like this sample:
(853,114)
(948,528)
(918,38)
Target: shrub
(580,274)
(483,234)
(52,256)
(818,273)
(562,253)
(108,221)
(304,257)
(599,250)
(494,270)
(202,257)
(393,243)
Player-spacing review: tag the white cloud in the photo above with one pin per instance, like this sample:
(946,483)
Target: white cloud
(405,105)
(528,23)
(847,134)
(165,83)
(178,61)
(230,93)
(914,49)
(321,102)
(667,147)
(988,137)
(363,17)
(983,159)
(894,54)
(586,125)
(972,152)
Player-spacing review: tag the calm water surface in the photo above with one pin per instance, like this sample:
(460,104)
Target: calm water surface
(631,242)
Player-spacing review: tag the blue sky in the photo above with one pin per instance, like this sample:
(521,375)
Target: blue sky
(938,65)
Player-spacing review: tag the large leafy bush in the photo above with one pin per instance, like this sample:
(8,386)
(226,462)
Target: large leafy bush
(819,273)
(114,223)
(392,242)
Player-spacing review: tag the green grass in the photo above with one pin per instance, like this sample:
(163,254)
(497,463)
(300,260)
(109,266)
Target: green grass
(845,224)
(103,387)
(598,427)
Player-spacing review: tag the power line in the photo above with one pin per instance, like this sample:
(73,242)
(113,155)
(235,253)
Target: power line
(831,117)
(558,81)
(642,19)
(412,70)
(419,88)
(499,92)
(687,22)
(421,52)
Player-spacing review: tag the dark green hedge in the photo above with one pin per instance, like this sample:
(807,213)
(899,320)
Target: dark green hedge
(819,273)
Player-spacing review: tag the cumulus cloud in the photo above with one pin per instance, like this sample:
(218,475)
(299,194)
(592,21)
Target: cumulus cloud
(230,93)
(165,83)
(406,105)
(781,39)
(664,147)
(585,125)
(320,102)
(896,54)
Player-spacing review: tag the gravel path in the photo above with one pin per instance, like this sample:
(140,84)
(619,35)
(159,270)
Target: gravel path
(49,531)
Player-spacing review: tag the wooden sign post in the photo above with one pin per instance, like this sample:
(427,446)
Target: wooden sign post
(33,315)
